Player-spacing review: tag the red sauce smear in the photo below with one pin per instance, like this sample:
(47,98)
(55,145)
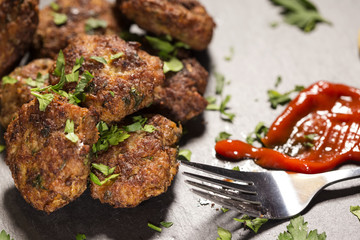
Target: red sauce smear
(328,112)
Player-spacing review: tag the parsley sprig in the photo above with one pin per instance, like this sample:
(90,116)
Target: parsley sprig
(276,98)
(252,223)
(259,133)
(4,235)
(301,13)
(106,171)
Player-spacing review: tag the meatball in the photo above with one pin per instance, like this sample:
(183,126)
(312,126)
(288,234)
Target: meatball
(14,95)
(124,76)
(48,168)
(18,21)
(184,20)
(180,97)
(83,16)
(146,164)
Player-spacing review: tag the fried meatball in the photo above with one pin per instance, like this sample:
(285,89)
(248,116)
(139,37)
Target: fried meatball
(50,38)
(180,97)
(185,20)
(13,96)
(18,21)
(146,163)
(49,170)
(122,85)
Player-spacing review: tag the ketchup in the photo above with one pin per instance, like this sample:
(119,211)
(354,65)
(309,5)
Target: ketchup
(317,131)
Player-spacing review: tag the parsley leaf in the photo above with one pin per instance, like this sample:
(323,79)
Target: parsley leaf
(156,228)
(174,65)
(166,224)
(2,148)
(278,81)
(93,23)
(69,129)
(223,107)
(220,82)
(297,229)
(8,80)
(222,136)
(108,136)
(4,235)
(96,180)
(259,132)
(231,54)
(38,82)
(355,210)
(99,59)
(185,154)
(80,236)
(117,55)
(54,6)
(161,45)
(276,98)
(60,64)
(301,13)
(253,223)
(59,18)
(223,234)
(224,210)
(44,100)
(106,170)
(212,106)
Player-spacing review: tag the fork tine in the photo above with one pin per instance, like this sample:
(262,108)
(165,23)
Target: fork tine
(250,198)
(222,172)
(246,188)
(249,209)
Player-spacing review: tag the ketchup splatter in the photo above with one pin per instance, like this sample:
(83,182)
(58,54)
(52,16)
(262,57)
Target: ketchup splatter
(318,130)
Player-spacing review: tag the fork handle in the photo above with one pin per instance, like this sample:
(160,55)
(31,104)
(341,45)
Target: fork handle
(340,175)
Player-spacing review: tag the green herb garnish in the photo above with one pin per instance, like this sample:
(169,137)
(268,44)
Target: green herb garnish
(223,234)
(301,13)
(69,129)
(220,82)
(2,148)
(93,23)
(231,54)
(259,133)
(44,99)
(59,18)
(54,6)
(38,82)
(278,81)
(236,168)
(108,136)
(185,154)
(4,235)
(116,56)
(276,98)
(252,223)
(99,59)
(166,224)
(156,228)
(174,65)
(80,236)
(223,108)
(222,136)
(355,210)
(298,229)
(224,210)
(8,80)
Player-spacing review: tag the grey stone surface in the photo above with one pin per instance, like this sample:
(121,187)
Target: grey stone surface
(261,54)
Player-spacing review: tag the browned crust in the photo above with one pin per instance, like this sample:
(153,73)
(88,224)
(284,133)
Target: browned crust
(18,21)
(48,169)
(13,96)
(185,20)
(146,163)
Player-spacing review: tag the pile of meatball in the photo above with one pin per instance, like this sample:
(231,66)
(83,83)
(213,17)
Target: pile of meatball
(48,169)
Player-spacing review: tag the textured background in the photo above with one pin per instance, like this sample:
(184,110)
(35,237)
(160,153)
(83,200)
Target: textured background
(261,54)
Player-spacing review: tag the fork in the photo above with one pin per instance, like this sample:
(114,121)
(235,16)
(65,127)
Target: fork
(270,194)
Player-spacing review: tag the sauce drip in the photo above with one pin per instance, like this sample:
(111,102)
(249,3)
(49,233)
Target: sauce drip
(318,130)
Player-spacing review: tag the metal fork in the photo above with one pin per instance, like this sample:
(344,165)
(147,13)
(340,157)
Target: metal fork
(270,194)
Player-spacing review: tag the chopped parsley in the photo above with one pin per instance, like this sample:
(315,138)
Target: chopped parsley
(224,210)
(220,82)
(69,129)
(167,52)
(80,236)
(222,136)
(44,99)
(355,210)
(278,81)
(223,234)
(38,82)
(259,133)
(99,59)
(139,125)
(173,65)
(2,148)
(153,227)
(166,224)
(106,171)
(252,223)
(112,93)
(54,6)
(301,13)
(298,229)
(8,80)
(59,18)
(236,168)
(5,236)
(116,56)
(93,24)
(274,24)
(276,98)
(74,75)
(185,154)
(309,139)
(231,54)
(212,106)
